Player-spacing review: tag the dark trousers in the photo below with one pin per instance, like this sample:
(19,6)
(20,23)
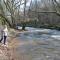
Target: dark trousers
(3,38)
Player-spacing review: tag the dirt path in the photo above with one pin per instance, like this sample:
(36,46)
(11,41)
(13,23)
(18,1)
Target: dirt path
(9,53)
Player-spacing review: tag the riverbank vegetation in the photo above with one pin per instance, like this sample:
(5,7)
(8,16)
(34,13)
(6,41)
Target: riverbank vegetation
(39,14)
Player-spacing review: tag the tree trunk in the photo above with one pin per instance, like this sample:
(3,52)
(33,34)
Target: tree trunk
(23,26)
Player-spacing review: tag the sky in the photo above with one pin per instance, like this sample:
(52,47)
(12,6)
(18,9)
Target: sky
(28,3)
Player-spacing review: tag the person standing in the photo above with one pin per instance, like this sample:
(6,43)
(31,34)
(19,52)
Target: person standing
(1,32)
(4,34)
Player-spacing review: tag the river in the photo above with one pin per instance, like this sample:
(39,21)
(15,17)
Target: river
(39,44)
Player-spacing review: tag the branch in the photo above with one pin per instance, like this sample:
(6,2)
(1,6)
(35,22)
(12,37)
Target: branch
(57,3)
(7,6)
(5,19)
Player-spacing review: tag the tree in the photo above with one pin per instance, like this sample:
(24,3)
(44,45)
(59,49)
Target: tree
(13,11)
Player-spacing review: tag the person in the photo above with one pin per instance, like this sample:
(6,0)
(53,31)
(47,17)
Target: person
(4,34)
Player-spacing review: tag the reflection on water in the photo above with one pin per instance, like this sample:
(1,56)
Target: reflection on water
(39,44)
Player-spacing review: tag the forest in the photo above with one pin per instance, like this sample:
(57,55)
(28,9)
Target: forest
(32,13)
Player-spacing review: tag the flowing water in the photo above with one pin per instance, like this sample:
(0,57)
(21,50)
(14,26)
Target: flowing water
(39,44)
